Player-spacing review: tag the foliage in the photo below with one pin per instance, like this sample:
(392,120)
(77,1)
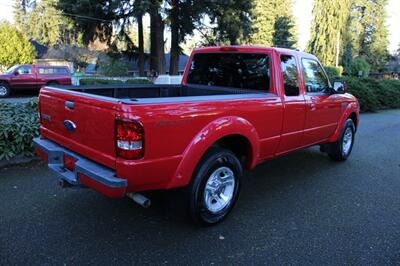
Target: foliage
(103,11)
(19,124)
(367,34)
(97,81)
(375,94)
(333,72)
(232,19)
(284,33)
(48,26)
(273,23)
(138,81)
(111,66)
(93,81)
(359,65)
(329,20)
(15,47)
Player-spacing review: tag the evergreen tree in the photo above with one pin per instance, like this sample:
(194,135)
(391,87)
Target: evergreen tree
(20,16)
(15,47)
(329,20)
(48,26)
(283,33)
(94,19)
(273,23)
(183,18)
(232,19)
(367,33)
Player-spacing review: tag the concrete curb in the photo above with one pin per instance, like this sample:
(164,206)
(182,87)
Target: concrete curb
(19,159)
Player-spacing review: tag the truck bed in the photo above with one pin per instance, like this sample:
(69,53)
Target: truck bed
(135,93)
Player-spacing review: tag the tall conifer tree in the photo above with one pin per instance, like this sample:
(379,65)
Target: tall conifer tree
(329,20)
(273,23)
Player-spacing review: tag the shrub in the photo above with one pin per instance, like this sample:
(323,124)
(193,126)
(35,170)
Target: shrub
(89,81)
(375,94)
(333,72)
(365,95)
(19,124)
(111,66)
(360,65)
(138,81)
(92,81)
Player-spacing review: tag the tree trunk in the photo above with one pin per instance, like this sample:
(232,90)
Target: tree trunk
(174,55)
(157,42)
(141,45)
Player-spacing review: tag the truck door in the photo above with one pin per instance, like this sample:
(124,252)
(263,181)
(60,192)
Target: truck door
(24,78)
(294,112)
(323,108)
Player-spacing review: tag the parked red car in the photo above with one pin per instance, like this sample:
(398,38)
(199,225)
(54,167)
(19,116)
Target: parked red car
(32,77)
(236,108)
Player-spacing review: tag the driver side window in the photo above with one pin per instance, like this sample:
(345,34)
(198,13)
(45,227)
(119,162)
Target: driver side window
(24,70)
(314,76)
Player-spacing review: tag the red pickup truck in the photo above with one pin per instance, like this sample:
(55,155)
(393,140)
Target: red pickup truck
(32,77)
(236,108)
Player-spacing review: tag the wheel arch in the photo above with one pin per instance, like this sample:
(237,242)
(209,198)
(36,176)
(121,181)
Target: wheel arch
(351,112)
(5,82)
(233,133)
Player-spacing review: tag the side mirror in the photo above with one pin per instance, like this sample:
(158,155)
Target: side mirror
(339,87)
(16,73)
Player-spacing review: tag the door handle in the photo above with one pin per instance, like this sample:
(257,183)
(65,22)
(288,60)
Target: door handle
(312,106)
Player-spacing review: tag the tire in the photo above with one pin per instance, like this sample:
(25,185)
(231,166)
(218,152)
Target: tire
(210,201)
(52,83)
(341,150)
(5,90)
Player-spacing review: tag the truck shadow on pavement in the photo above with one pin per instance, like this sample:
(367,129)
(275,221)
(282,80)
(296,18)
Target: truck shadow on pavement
(261,188)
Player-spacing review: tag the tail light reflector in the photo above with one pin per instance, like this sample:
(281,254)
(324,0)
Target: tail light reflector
(129,139)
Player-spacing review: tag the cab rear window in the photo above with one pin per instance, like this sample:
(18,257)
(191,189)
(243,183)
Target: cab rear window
(237,70)
(53,71)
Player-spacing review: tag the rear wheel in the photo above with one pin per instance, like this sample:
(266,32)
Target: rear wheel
(4,90)
(215,186)
(341,150)
(52,83)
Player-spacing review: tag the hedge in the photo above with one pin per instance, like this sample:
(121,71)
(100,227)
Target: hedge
(19,124)
(375,94)
(91,81)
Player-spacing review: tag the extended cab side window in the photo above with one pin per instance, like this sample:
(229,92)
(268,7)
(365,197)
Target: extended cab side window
(25,70)
(314,76)
(290,75)
(237,70)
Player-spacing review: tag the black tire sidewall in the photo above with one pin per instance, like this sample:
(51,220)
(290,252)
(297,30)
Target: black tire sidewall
(8,90)
(349,124)
(214,159)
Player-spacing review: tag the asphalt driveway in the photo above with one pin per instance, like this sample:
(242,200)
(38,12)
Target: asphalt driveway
(298,209)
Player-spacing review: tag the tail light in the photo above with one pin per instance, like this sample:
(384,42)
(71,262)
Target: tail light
(129,139)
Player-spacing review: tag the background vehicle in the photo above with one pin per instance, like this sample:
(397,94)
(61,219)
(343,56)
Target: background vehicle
(236,107)
(32,77)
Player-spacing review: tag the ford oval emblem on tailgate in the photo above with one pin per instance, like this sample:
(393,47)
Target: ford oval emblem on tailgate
(69,125)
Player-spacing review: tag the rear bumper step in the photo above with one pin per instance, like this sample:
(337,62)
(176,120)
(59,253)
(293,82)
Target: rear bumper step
(86,172)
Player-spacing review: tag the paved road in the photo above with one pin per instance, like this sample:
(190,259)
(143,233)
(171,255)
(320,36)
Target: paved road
(298,209)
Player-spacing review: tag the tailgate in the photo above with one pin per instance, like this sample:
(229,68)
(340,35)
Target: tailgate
(83,124)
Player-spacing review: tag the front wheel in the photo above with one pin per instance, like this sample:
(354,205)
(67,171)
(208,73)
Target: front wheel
(341,150)
(4,90)
(215,186)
